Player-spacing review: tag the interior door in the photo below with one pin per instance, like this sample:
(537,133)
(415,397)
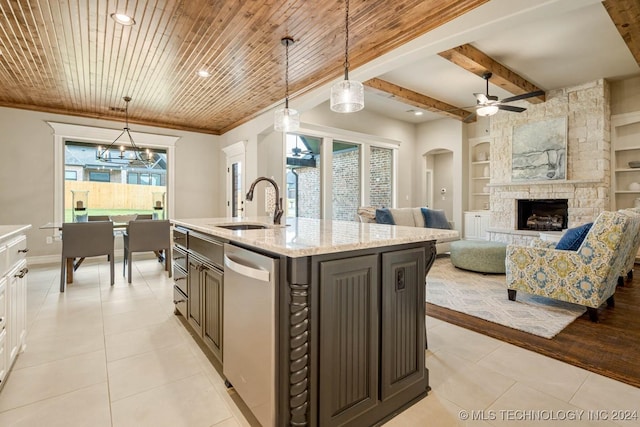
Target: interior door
(235,185)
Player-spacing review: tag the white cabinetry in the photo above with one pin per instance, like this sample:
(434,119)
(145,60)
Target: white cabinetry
(13,296)
(625,142)
(476,224)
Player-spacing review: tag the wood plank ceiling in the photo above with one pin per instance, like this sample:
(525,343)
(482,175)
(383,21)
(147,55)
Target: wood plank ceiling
(70,57)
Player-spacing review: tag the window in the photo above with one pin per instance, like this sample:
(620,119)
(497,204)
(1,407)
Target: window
(145,178)
(113,188)
(99,176)
(380,177)
(65,132)
(303,176)
(345,180)
(359,172)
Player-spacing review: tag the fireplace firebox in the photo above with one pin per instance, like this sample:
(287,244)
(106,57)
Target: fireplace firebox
(543,214)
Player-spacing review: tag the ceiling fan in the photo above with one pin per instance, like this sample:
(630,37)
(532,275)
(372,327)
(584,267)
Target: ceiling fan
(488,105)
(299,152)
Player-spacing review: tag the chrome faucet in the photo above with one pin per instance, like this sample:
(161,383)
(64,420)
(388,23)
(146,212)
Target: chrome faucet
(277,213)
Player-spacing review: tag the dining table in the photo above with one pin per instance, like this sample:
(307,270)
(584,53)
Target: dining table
(120,223)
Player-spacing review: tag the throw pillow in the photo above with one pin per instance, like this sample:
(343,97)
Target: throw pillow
(383,216)
(435,218)
(573,237)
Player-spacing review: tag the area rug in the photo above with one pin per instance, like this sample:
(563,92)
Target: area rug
(487,299)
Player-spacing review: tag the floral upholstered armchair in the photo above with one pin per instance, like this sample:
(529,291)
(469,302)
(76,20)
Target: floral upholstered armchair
(587,276)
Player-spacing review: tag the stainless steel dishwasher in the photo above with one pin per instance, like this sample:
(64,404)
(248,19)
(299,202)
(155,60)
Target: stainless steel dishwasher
(249,329)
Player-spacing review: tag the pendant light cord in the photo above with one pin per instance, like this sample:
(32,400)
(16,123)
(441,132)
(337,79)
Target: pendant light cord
(346,41)
(286,74)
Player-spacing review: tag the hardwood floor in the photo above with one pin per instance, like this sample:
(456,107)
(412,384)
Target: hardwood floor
(610,347)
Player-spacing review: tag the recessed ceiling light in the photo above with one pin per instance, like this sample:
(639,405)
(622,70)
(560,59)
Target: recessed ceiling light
(123,19)
(204,73)
(417,113)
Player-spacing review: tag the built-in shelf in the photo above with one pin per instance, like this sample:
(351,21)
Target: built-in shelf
(625,148)
(480,173)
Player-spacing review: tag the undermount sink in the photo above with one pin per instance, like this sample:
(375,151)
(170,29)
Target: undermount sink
(242,226)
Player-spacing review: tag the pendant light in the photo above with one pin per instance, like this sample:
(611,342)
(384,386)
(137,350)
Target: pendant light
(347,96)
(286,119)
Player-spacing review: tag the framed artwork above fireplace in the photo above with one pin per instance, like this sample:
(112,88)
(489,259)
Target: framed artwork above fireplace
(539,151)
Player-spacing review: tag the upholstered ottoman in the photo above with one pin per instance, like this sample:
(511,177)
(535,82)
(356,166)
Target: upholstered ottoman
(482,256)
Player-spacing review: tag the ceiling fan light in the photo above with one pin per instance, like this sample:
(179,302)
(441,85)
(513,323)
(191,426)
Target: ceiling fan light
(347,96)
(286,120)
(487,110)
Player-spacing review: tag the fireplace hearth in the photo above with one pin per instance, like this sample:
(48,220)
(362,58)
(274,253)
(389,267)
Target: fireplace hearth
(543,214)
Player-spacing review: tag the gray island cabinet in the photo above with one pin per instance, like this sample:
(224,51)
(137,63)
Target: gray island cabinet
(348,313)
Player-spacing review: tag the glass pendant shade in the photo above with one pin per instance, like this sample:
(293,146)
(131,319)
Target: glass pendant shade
(286,120)
(347,96)
(487,110)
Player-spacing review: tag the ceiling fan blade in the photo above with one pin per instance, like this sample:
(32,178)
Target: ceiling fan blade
(511,108)
(523,96)
(469,118)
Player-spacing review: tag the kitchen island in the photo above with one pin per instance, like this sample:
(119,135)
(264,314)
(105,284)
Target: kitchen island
(345,331)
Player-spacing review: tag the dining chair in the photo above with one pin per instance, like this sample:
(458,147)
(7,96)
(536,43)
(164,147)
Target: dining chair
(85,239)
(147,235)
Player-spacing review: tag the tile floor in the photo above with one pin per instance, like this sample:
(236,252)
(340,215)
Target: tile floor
(117,356)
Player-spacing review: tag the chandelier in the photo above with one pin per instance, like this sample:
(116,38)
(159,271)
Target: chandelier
(117,153)
(347,96)
(286,119)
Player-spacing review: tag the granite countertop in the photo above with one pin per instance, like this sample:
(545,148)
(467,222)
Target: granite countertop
(7,231)
(304,236)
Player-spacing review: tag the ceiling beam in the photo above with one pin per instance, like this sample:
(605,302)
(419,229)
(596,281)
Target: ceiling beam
(477,62)
(625,14)
(416,99)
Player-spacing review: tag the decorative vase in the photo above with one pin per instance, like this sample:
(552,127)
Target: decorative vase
(485,171)
(481,156)
(636,203)
(634,186)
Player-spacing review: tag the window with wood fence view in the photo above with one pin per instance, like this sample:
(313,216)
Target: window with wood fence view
(97,189)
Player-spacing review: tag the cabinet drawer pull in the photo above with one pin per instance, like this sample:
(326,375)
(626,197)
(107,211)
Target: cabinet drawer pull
(25,250)
(178,301)
(179,278)
(22,273)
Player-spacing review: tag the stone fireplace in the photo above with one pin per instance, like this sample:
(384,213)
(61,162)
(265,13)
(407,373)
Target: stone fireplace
(586,189)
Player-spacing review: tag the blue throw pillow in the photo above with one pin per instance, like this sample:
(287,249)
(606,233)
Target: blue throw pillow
(573,237)
(383,216)
(435,218)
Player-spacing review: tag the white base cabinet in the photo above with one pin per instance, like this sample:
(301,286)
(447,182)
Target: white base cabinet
(13,296)
(476,224)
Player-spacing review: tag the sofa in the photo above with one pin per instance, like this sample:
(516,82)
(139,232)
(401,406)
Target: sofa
(408,217)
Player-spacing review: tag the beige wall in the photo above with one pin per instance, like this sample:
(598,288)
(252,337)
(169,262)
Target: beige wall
(27,171)
(432,137)
(625,95)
